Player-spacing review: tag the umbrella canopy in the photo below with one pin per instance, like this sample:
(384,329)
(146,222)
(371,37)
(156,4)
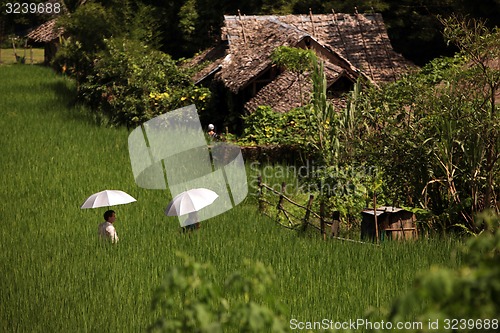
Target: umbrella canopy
(190,201)
(107,198)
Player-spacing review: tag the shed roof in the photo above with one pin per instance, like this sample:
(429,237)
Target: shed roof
(384,209)
(46,32)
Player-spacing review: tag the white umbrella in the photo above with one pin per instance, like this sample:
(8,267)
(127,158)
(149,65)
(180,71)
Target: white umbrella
(107,198)
(190,201)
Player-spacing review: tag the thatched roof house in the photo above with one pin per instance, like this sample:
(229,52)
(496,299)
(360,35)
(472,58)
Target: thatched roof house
(350,45)
(48,33)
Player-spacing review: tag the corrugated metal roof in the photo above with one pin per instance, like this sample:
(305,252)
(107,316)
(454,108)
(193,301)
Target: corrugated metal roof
(383,209)
(370,212)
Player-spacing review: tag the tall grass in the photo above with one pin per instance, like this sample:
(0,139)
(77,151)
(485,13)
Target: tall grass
(58,277)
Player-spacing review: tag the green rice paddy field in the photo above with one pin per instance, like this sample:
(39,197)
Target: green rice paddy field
(57,277)
(31,56)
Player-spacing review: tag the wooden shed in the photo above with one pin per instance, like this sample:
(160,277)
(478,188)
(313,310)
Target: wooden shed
(393,223)
(49,34)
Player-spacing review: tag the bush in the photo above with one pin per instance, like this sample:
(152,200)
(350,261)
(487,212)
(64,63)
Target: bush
(189,301)
(132,83)
(87,28)
(471,295)
(265,126)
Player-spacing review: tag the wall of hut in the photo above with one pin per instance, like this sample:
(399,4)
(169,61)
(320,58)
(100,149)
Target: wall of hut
(397,225)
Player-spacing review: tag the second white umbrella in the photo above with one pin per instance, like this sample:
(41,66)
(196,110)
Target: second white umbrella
(190,201)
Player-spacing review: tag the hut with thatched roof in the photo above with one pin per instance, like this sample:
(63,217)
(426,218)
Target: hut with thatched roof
(49,34)
(350,46)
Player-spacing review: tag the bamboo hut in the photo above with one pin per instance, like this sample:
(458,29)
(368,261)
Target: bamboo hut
(351,46)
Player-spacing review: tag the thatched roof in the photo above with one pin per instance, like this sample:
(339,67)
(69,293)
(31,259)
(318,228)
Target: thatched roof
(362,39)
(46,32)
(351,45)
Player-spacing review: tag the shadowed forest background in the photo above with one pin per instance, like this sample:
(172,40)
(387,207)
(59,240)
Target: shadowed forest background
(183,27)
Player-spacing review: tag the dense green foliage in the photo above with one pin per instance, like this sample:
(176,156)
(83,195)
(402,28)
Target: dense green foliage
(131,83)
(57,277)
(439,130)
(469,295)
(428,141)
(120,74)
(206,308)
(265,126)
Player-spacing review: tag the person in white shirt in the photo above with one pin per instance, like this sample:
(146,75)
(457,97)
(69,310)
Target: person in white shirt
(191,223)
(106,229)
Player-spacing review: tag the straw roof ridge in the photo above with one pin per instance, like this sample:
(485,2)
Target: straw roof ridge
(250,55)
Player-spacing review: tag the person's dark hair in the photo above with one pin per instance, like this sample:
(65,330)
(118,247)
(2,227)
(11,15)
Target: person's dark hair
(108,214)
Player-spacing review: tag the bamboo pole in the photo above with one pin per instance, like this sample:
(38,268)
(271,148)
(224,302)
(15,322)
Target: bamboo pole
(242,27)
(312,22)
(354,241)
(308,212)
(375,215)
(365,48)
(379,32)
(339,32)
(261,194)
(280,201)
(25,47)
(322,218)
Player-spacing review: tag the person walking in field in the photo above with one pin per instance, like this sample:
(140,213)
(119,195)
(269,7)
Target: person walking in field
(212,135)
(106,229)
(191,223)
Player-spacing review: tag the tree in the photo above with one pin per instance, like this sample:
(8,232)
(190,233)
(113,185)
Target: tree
(481,48)
(439,129)
(296,60)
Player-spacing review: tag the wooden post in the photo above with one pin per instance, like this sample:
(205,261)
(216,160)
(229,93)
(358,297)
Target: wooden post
(375,214)
(308,212)
(14,47)
(322,218)
(25,47)
(261,194)
(280,201)
(336,224)
(402,228)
